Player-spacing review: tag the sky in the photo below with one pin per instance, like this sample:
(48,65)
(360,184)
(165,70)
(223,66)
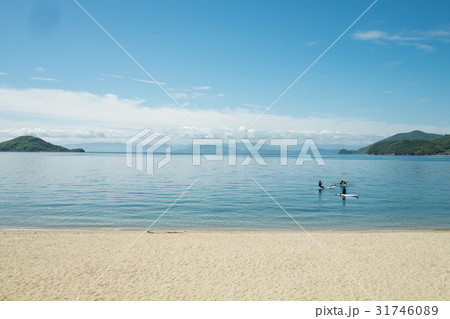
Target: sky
(211,68)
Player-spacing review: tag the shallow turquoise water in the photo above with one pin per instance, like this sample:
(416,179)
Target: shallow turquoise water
(97,190)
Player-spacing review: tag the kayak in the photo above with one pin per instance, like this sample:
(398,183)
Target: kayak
(327,187)
(348,195)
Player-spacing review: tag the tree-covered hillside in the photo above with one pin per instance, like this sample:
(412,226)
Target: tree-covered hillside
(412,143)
(32,144)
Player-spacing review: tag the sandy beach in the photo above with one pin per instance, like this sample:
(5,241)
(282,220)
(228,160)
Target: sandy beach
(225,265)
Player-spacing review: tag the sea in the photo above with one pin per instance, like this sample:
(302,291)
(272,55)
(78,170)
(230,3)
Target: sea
(68,191)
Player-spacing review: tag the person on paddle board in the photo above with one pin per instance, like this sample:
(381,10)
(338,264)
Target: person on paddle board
(320,185)
(343,185)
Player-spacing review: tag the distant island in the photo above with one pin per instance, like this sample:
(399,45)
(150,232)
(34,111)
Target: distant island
(33,144)
(412,143)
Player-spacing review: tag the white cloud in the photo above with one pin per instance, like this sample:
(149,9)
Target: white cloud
(379,35)
(149,81)
(39,69)
(424,47)
(311,43)
(369,35)
(74,117)
(195,94)
(3,73)
(202,87)
(437,33)
(419,40)
(114,76)
(198,95)
(37,78)
(179,95)
(256,106)
(440,35)
(387,92)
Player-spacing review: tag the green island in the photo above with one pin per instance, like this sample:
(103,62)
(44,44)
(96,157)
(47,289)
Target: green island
(412,143)
(33,144)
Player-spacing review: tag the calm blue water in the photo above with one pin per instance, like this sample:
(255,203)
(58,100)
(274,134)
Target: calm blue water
(94,190)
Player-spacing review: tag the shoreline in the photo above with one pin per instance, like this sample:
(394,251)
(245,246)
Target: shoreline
(174,230)
(224,265)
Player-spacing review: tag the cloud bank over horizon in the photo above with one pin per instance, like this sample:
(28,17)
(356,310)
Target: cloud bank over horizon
(67,117)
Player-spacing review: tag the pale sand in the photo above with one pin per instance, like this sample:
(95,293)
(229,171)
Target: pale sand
(224,265)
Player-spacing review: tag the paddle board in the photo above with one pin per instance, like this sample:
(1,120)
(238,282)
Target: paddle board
(348,195)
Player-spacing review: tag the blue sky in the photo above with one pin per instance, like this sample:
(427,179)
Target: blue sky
(61,77)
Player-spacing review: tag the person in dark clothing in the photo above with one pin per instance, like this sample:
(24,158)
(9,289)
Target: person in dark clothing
(343,185)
